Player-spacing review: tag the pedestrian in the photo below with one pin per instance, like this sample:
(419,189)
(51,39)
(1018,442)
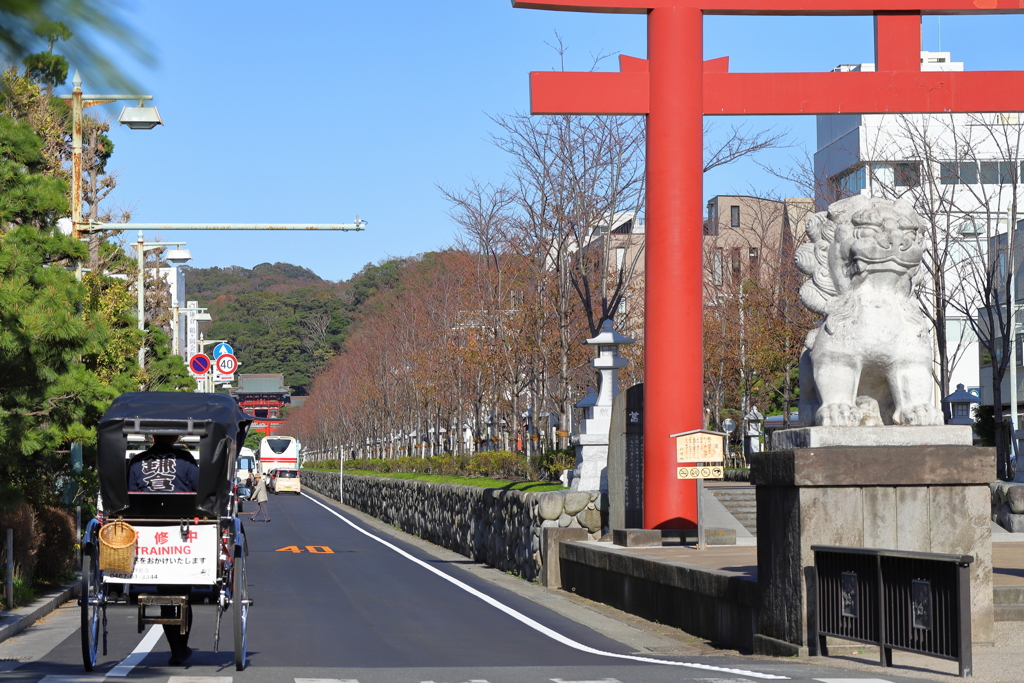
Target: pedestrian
(167,468)
(261,498)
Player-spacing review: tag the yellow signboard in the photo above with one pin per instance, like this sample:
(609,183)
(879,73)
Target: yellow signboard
(700,447)
(715,472)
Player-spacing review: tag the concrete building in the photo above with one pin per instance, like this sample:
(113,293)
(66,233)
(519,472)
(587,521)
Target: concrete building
(175,280)
(746,236)
(624,239)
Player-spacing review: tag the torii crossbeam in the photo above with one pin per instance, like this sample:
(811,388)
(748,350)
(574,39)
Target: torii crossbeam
(675,88)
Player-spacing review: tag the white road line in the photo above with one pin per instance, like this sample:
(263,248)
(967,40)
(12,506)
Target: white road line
(199,679)
(535,625)
(138,654)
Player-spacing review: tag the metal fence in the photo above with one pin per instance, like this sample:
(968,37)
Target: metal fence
(917,602)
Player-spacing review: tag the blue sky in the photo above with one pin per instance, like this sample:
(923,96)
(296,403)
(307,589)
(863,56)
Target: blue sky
(319,111)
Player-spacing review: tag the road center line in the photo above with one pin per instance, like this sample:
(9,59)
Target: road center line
(535,625)
(138,654)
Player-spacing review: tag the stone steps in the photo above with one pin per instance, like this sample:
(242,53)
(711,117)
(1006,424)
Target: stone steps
(1008,603)
(740,502)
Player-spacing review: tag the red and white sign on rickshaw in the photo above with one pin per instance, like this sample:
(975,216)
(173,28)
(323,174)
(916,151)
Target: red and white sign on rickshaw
(163,556)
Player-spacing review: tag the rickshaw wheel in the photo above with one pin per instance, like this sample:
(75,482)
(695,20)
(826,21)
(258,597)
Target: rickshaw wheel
(240,606)
(90,601)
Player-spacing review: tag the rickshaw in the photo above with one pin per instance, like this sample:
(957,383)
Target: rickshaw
(185,539)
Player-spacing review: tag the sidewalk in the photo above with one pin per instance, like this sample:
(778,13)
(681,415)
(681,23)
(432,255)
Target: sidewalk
(15,621)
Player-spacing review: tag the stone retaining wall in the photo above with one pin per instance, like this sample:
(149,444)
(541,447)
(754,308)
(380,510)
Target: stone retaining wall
(498,527)
(719,605)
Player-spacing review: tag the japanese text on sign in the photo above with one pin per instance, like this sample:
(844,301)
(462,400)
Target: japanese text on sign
(164,555)
(700,447)
(716,472)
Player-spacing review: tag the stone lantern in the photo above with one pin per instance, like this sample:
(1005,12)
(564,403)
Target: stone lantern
(752,435)
(592,441)
(960,406)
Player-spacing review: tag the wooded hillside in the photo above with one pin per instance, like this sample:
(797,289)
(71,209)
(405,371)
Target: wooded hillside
(284,318)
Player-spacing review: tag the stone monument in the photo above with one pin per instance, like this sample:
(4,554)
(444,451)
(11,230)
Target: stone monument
(591,443)
(872,464)
(626,460)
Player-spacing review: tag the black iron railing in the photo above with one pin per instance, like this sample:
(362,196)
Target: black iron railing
(917,602)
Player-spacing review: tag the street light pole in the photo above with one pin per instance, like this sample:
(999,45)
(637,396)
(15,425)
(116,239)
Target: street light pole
(76,163)
(78,103)
(140,286)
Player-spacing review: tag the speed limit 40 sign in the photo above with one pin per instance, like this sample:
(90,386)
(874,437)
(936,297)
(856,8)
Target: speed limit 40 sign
(226,364)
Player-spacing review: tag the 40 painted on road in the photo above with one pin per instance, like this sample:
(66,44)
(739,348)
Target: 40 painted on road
(315,549)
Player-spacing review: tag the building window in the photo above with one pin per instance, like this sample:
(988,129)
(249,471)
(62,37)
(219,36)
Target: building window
(850,182)
(998,173)
(734,216)
(958,172)
(718,267)
(620,258)
(907,173)
(970,227)
(622,306)
(754,260)
(711,227)
(737,266)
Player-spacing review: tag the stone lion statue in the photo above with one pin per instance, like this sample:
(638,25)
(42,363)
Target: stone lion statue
(869,362)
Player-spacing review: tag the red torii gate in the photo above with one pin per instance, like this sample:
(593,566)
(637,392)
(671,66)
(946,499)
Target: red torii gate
(675,88)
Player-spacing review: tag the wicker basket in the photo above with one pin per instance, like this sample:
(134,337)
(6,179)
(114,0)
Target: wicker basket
(117,547)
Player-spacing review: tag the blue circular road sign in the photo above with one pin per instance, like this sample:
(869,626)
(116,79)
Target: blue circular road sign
(222,348)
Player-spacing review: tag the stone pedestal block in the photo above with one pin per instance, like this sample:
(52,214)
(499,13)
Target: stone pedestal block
(926,498)
(637,538)
(551,538)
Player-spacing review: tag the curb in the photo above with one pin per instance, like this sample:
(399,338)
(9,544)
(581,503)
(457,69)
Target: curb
(20,619)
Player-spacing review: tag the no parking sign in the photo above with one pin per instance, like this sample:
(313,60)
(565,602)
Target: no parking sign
(199,364)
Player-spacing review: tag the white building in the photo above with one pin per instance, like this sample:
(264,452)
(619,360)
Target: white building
(175,280)
(959,170)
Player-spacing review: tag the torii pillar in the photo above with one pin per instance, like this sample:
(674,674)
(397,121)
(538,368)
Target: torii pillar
(675,89)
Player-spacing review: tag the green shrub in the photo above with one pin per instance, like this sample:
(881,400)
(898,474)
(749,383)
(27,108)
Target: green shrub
(55,559)
(496,464)
(23,591)
(555,461)
(444,465)
(500,465)
(27,537)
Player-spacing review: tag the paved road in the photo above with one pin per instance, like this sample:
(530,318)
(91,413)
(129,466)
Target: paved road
(354,604)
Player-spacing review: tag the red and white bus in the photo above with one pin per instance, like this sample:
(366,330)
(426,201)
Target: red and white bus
(279,453)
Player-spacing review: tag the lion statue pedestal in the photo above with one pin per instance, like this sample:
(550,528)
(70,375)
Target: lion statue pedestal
(872,465)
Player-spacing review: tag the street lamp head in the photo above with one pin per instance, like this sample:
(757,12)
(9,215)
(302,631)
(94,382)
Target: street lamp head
(204,318)
(178,256)
(140,118)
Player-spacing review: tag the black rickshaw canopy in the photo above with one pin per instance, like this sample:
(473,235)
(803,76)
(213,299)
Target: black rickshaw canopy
(215,418)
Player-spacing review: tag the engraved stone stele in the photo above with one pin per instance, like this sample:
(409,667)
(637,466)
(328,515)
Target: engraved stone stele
(591,473)
(869,362)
